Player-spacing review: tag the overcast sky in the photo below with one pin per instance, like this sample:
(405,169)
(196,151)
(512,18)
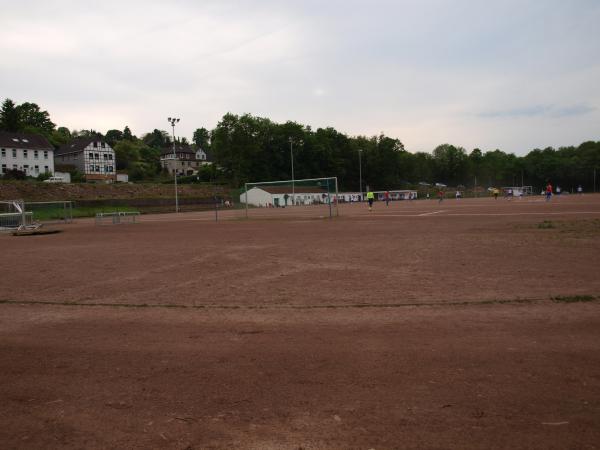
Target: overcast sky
(513,75)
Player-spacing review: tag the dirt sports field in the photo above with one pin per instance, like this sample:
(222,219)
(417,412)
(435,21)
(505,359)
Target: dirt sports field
(466,324)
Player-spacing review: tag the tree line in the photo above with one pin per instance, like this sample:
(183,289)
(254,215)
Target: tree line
(246,148)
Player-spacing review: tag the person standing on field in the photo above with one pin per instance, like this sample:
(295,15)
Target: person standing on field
(440,196)
(370,198)
(548,191)
(387,198)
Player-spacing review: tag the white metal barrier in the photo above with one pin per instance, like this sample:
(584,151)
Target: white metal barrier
(117,217)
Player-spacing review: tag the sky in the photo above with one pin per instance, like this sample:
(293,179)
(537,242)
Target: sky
(514,75)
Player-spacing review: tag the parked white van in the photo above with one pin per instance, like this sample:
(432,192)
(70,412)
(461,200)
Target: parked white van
(55,180)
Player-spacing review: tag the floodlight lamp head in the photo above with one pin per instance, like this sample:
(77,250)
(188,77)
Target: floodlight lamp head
(169,119)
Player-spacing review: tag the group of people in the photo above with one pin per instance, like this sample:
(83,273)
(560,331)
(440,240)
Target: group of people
(508,194)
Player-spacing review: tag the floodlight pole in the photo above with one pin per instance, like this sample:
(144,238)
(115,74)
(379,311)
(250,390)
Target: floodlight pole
(360,173)
(246,198)
(292,160)
(173,121)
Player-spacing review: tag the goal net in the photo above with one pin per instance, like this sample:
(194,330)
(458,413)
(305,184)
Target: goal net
(311,197)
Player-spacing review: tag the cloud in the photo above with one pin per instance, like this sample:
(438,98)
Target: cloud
(540,111)
(471,73)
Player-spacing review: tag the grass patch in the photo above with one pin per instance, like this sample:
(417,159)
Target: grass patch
(545,225)
(573,298)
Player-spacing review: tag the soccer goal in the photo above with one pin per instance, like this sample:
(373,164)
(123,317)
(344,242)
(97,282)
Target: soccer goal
(307,197)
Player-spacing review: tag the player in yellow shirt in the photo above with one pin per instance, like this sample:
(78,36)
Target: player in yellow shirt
(370,198)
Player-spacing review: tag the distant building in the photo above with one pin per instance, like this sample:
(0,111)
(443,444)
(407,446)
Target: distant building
(91,156)
(29,153)
(186,160)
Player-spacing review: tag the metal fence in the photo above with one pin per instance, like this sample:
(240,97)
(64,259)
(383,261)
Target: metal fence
(51,212)
(115,218)
(13,215)
(11,221)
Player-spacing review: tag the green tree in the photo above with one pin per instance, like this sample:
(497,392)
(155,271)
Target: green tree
(450,164)
(126,153)
(113,136)
(127,134)
(30,115)
(201,138)
(9,116)
(157,139)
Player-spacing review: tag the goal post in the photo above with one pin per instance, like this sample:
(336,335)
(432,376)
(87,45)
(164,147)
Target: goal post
(304,197)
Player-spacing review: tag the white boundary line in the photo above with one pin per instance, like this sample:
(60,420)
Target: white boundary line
(431,213)
(482,214)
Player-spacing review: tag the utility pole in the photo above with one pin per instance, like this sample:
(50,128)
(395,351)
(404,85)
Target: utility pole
(173,121)
(292,160)
(360,173)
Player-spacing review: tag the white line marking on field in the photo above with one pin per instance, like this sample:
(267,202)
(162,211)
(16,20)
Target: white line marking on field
(484,214)
(525,213)
(431,213)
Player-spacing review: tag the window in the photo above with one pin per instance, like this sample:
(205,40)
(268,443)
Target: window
(36,169)
(4,153)
(26,168)
(95,145)
(45,154)
(25,154)
(103,145)
(96,156)
(14,152)
(46,169)
(110,168)
(35,154)
(110,156)
(105,156)
(15,167)
(91,156)
(3,168)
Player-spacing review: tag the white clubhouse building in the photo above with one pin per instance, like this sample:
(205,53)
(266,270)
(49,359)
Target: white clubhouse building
(29,153)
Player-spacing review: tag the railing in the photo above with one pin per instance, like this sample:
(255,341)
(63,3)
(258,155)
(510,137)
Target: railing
(11,221)
(116,217)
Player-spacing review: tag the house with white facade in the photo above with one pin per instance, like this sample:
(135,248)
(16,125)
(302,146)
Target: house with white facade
(91,156)
(29,153)
(281,196)
(184,159)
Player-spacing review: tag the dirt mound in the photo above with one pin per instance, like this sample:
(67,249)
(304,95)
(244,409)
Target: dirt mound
(35,191)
